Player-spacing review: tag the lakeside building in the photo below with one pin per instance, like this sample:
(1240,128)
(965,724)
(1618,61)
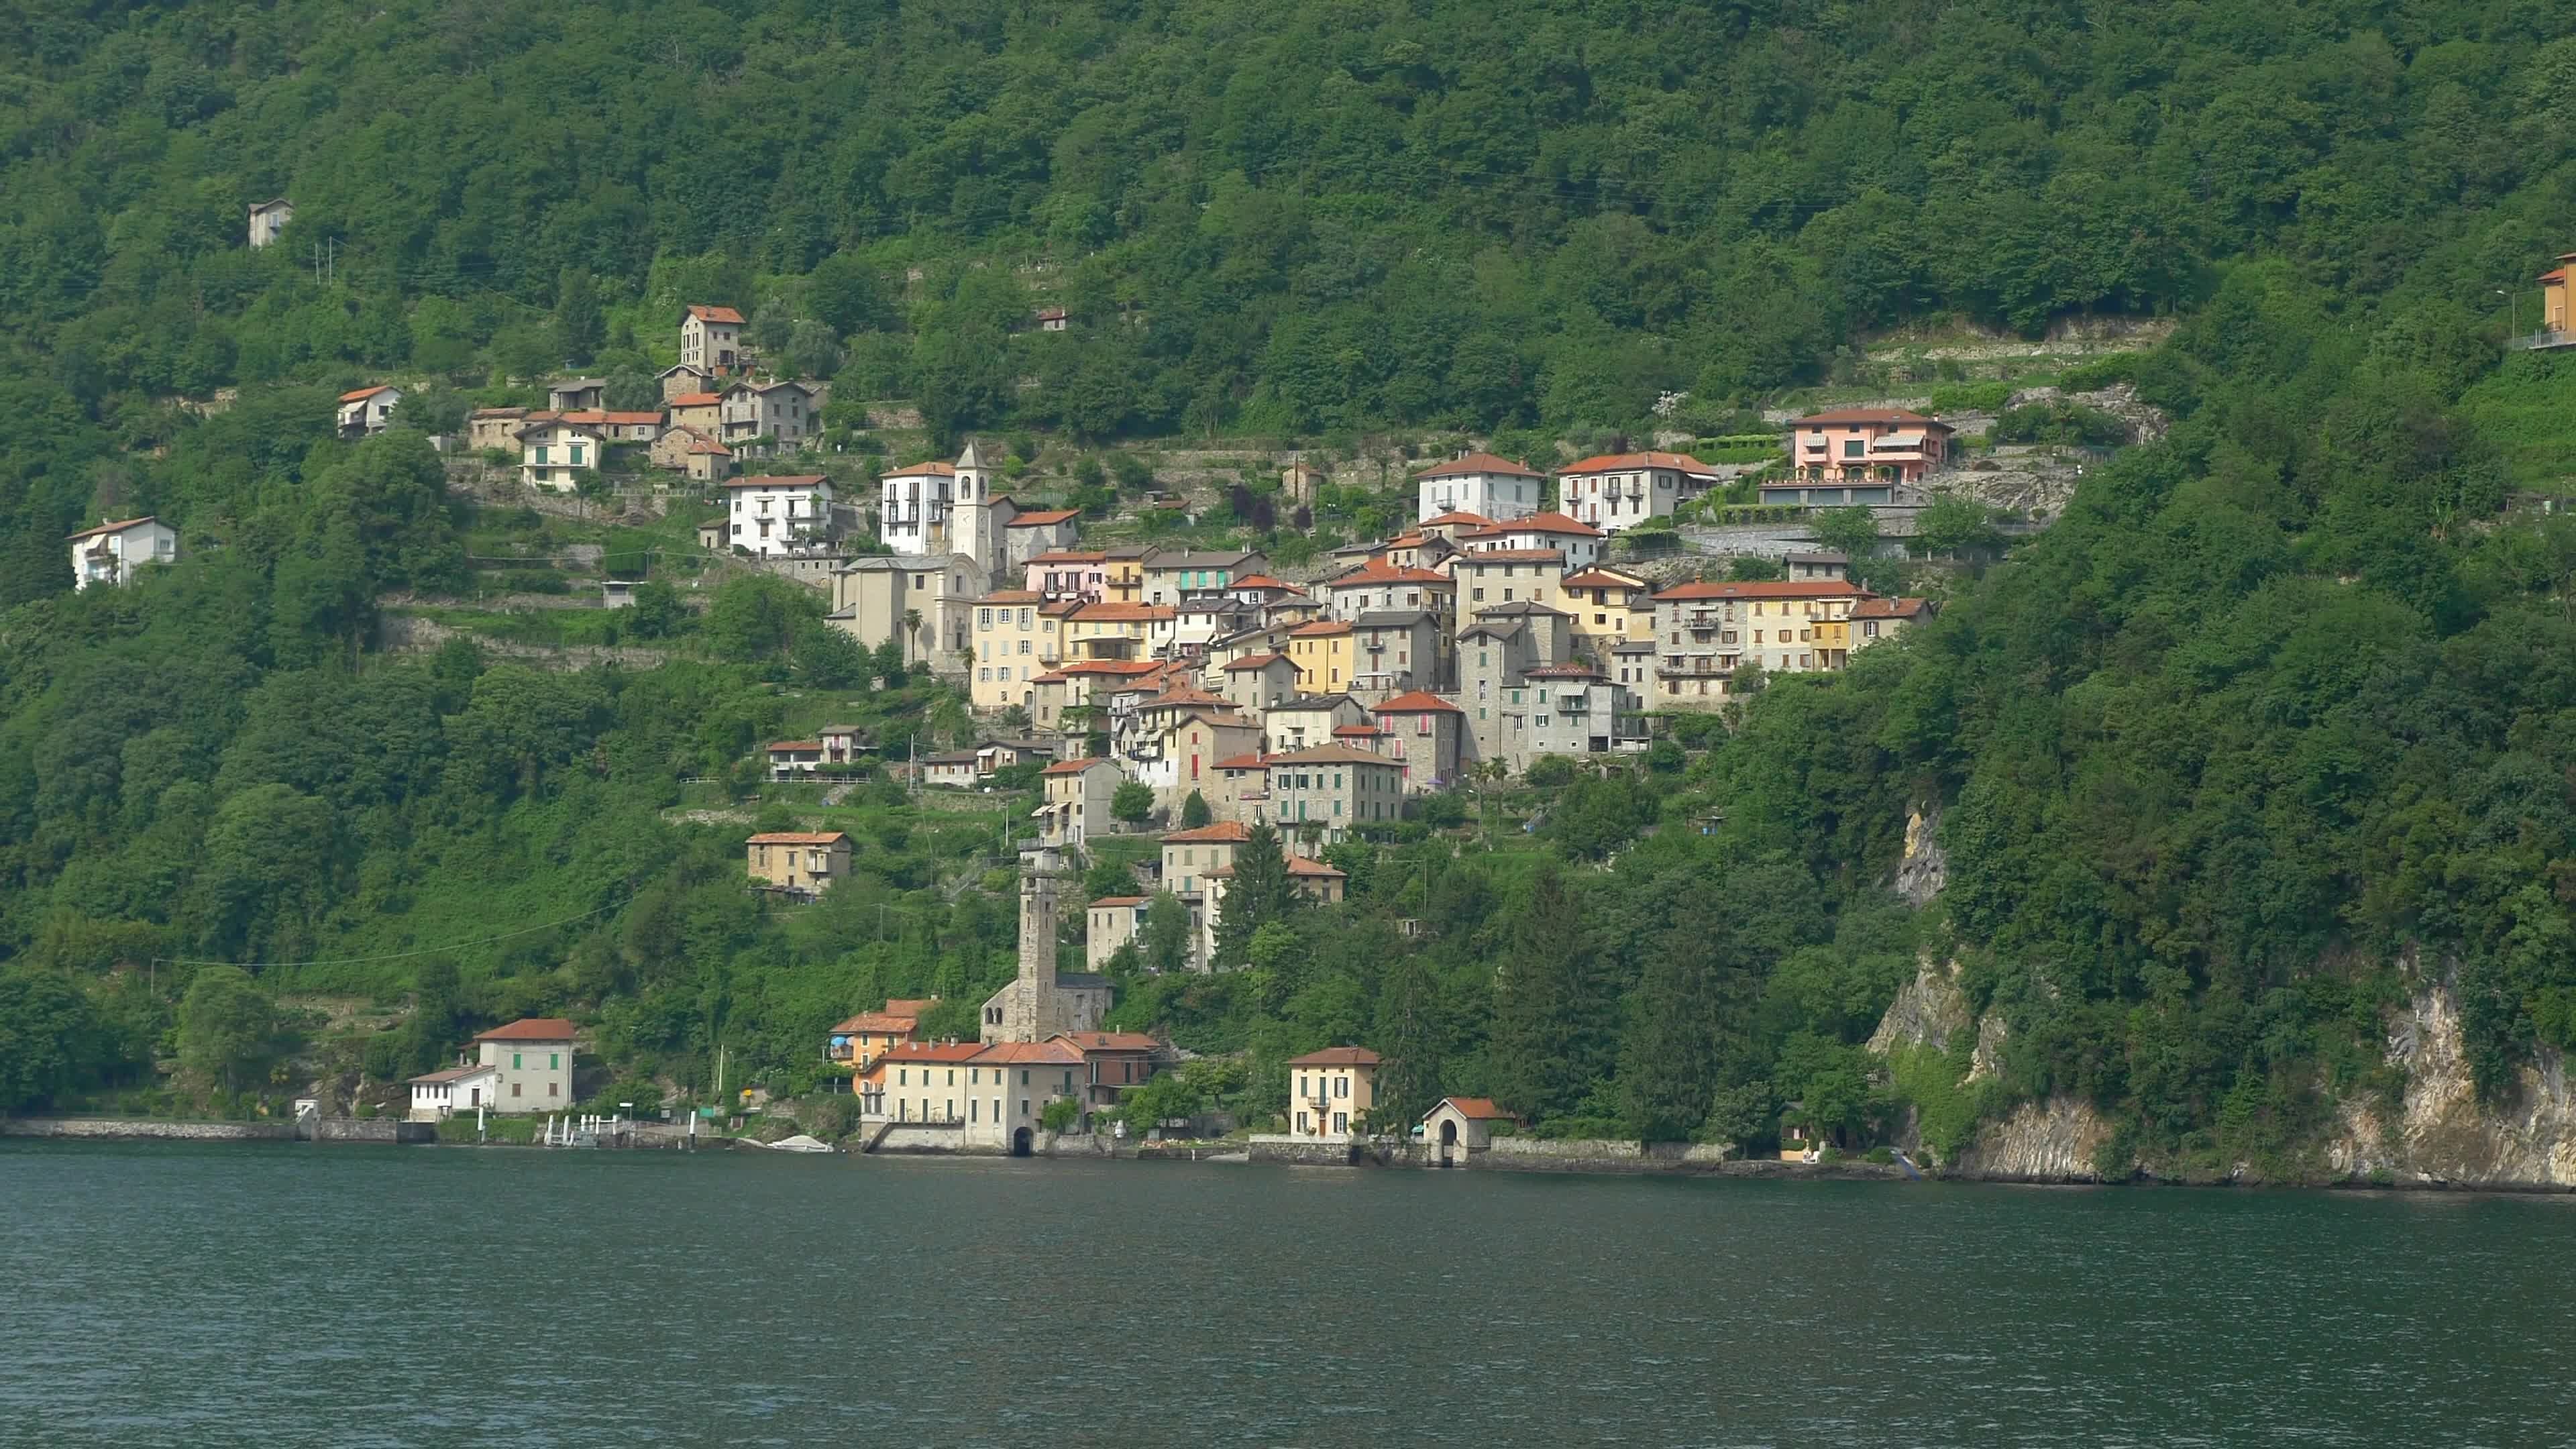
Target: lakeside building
(1331,1092)
(526,1065)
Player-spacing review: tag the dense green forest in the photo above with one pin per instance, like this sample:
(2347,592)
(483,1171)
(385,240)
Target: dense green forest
(2270,727)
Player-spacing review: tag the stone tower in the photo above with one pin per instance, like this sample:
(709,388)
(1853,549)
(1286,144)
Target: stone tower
(1026,1010)
(971,512)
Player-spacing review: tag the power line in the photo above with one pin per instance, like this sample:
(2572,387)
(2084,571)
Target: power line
(397,955)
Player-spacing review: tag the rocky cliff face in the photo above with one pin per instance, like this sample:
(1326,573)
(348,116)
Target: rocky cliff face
(1924,870)
(2439,1135)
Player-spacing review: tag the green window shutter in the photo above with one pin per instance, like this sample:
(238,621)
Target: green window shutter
(514,1061)
(554,1061)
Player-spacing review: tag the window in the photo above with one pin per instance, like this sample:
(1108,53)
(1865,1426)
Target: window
(1341,1121)
(514,1089)
(554,1061)
(514,1061)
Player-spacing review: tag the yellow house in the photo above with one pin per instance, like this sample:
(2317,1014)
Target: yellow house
(1123,573)
(1331,1092)
(1322,652)
(1113,631)
(1609,608)
(1015,641)
(801,862)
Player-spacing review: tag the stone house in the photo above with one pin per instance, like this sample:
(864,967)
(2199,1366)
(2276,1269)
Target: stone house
(1422,734)
(1255,682)
(1115,1063)
(577,394)
(1379,586)
(487,428)
(685,380)
(1036,532)
(1323,793)
(1398,650)
(799,862)
(782,412)
(1506,576)
(1078,793)
(1307,720)
(711,339)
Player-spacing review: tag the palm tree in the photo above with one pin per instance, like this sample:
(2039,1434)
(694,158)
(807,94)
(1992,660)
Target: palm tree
(912,621)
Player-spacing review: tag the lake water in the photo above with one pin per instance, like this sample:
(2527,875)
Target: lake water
(284,1295)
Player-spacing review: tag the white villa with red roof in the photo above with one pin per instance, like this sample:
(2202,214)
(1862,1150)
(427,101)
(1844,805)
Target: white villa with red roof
(523,1067)
(1479,483)
(1581,543)
(110,553)
(1621,490)
(368,411)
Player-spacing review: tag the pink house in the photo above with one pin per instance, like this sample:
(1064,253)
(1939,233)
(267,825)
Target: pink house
(1063,573)
(1868,445)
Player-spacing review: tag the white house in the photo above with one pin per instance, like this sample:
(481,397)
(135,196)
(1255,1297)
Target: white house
(912,508)
(710,338)
(551,452)
(268,218)
(1621,490)
(776,515)
(440,1095)
(368,410)
(1498,488)
(110,553)
(1580,541)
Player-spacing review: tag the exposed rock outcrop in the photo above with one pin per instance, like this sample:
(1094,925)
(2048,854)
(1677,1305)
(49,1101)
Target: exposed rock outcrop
(1927,1011)
(2442,1133)
(2052,1141)
(1924,869)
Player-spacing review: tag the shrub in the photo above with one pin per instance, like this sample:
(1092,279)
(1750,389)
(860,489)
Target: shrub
(2060,422)
(1973,397)
(2101,372)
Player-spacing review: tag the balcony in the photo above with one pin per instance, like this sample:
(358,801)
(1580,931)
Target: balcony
(2541,341)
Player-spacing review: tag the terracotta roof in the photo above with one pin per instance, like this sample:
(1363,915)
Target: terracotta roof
(1480,1109)
(1251,662)
(1379,571)
(1872,415)
(1774,589)
(888,1021)
(1016,1052)
(1125,612)
(1622,462)
(1563,671)
(631,418)
(797,837)
(1599,579)
(1337,1057)
(1314,869)
(364,393)
(1480,463)
(1110,666)
(795,745)
(1541,523)
(1252,761)
(1223,832)
(1184,695)
(704,444)
(1260,581)
(922,470)
(498,413)
(1891,608)
(1509,555)
(696,399)
(1420,701)
(1067,555)
(1108,1041)
(1332,755)
(1319,629)
(910,1005)
(783,480)
(1051,314)
(1119,901)
(1010,596)
(531,1028)
(910,1052)
(1043,517)
(111,528)
(716,314)
(1456,515)
(1356,729)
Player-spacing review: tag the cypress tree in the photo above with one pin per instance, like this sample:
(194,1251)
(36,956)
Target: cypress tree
(1260,892)
(1555,1017)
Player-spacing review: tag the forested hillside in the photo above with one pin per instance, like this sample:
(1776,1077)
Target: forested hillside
(2281,705)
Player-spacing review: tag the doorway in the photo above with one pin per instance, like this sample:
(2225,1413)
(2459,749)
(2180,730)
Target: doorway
(1448,1141)
(1020,1143)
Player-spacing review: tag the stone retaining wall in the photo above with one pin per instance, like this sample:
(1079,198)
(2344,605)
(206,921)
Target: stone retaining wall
(1307,1151)
(145,1128)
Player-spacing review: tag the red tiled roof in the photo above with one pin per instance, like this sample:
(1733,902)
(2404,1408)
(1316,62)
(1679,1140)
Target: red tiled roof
(795,745)
(1457,515)
(1319,629)
(1223,832)
(910,1052)
(705,444)
(1067,555)
(716,314)
(1510,555)
(1356,729)
(531,1028)
(1332,755)
(1252,761)
(922,470)
(1126,612)
(1540,523)
(910,1005)
(1073,767)
(783,480)
(886,1021)
(1108,1041)
(1480,1109)
(797,837)
(1315,869)
(1016,1052)
(1010,596)
(1890,608)
(1420,701)
(1260,581)
(1480,463)
(1379,571)
(1119,901)
(364,393)
(1043,517)
(1872,415)
(1250,662)
(696,399)
(1337,1057)
(1622,462)
(109,528)
(1776,589)
(1599,579)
